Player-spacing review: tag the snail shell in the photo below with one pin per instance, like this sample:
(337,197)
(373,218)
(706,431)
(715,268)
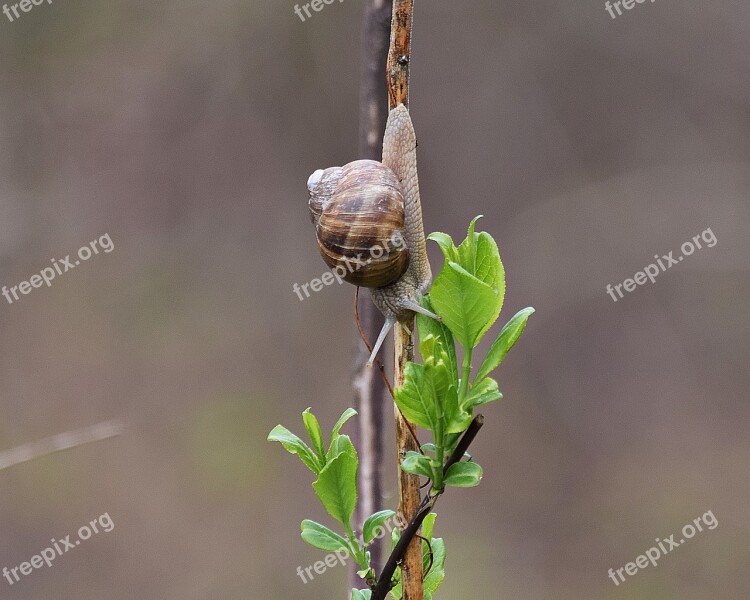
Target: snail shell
(358,212)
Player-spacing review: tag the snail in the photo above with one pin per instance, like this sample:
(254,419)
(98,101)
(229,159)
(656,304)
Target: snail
(368,223)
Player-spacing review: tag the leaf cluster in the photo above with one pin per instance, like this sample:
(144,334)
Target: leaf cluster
(437,395)
(336,487)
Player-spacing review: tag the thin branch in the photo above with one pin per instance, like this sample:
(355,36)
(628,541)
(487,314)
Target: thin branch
(384,583)
(59,442)
(397,75)
(410,494)
(367,387)
(399,55)
(466,440)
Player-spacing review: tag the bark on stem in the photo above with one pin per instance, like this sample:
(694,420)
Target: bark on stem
(399,55)
(411,564)
(397,73)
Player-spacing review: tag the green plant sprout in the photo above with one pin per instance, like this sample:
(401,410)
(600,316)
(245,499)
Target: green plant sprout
(437,396)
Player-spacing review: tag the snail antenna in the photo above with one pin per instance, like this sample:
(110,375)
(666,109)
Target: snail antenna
(387,326)
(418,308)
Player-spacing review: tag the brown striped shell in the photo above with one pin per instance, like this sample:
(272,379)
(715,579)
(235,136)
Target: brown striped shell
(358,212)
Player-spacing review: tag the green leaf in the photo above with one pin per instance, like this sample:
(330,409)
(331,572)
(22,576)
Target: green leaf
(456,418)
(478,257)
(438,378)
(397,591)
(429,396)
(417,464)
(446,245)
(295,445)
(466,304)
(348,414)
(504,342)
(337,484)
(374,523)
(478,254)
(443,337)
(316,436)
(437,573)
(428,525)
(467,307)
(319,536)
(395,536)
(435,577)
(488,267)
(483,392)
(490,270)
(464,474)
(414,397)
(441,380)
(341,443)
(467,250)
(361,594)
(367,572)
(451,441)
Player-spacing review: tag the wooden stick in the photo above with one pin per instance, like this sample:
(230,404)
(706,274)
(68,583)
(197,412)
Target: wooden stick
(397,74)
(399,55)
(411,564)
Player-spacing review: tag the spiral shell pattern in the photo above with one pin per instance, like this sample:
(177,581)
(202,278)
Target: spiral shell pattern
(358,210)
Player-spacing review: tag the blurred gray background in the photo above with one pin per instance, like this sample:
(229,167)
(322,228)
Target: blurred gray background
(186,130)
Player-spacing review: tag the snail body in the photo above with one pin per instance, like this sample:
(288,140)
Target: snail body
(369,215)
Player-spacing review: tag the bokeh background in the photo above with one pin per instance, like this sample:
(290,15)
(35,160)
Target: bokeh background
(186,130)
